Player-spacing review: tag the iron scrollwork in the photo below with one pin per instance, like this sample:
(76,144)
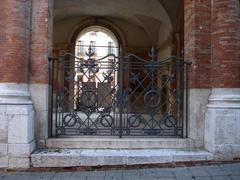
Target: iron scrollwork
(119,96)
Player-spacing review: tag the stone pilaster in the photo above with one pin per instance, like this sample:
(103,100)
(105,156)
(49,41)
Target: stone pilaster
(222,121)
(16,108)
(41,38)
(197,48)
(222,135)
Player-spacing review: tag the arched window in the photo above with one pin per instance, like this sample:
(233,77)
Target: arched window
(101,40)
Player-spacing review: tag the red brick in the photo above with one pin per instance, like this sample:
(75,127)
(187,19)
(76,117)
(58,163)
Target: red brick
(14,40)
(225,44)
(197,41)
(41,38)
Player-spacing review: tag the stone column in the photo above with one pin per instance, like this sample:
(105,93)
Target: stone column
(16,108)
(41,39)
(197,48)
(222,125)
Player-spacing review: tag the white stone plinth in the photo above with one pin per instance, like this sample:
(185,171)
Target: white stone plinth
(222,124)
(17,140)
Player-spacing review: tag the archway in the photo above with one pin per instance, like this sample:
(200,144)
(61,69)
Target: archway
(111,94)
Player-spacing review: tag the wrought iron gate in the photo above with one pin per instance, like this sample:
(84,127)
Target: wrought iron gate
(118,96)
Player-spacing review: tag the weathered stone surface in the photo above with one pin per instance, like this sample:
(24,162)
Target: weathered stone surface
(3,149)
(198,99)
(87,157)
(222,123)
(124,143)
(3,124)
(17,122)
(18,162)
(21,126)
(39,95)
(3,161)
(21,150)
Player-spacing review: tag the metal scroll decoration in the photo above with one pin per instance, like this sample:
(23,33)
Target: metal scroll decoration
(118,96)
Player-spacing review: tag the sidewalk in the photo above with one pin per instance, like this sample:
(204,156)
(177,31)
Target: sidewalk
(212,172)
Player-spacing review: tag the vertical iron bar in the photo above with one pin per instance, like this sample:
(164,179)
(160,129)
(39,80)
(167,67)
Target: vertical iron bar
(57,92)
(181,73)
(53,83)
(50,100)
(188,63)
(121,92)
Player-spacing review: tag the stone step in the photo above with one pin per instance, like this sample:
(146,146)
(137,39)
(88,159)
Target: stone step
(101,157)
(123,143)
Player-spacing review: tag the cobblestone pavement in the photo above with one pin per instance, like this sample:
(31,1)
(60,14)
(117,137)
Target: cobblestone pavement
(213,172)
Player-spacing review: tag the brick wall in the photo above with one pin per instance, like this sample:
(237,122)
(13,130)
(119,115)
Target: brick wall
(212,42)
(40,40)
(225,44)
(197,41)
(14,40)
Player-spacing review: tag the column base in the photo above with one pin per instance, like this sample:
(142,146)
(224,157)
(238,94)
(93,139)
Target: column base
(16,126)
(222,123)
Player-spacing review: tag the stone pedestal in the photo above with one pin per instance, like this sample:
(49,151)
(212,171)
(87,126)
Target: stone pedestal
(16,126)
(222,123)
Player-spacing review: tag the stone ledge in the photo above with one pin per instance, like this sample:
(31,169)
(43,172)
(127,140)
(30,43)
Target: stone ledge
(93,157)
(116,143)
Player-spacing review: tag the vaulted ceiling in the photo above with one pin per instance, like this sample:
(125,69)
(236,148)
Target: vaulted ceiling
(149,15)
(131,10)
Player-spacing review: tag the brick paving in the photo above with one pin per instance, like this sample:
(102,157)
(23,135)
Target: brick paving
(210,172)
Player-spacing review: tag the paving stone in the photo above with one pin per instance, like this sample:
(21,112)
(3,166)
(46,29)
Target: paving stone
(182,172)
(232,169)
(9,177)
(157,173)
(77,178)
(89,173)
(185,178)
(131,173)
(221,178)
(42,176)
(221,172)
(113,178)
(63,174)
(203,178)
(131,177)
(235,165)
(198,171)
(114,175)
(215,171)
(95,178)
(235,177)
(17,176)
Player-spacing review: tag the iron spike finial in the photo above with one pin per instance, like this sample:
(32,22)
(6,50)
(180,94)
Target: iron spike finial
(90,51)
(153,54)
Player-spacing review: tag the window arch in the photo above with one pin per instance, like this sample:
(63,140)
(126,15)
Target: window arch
(101,40)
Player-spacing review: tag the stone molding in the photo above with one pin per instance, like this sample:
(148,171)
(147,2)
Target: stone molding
(14,93)
(225,98)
